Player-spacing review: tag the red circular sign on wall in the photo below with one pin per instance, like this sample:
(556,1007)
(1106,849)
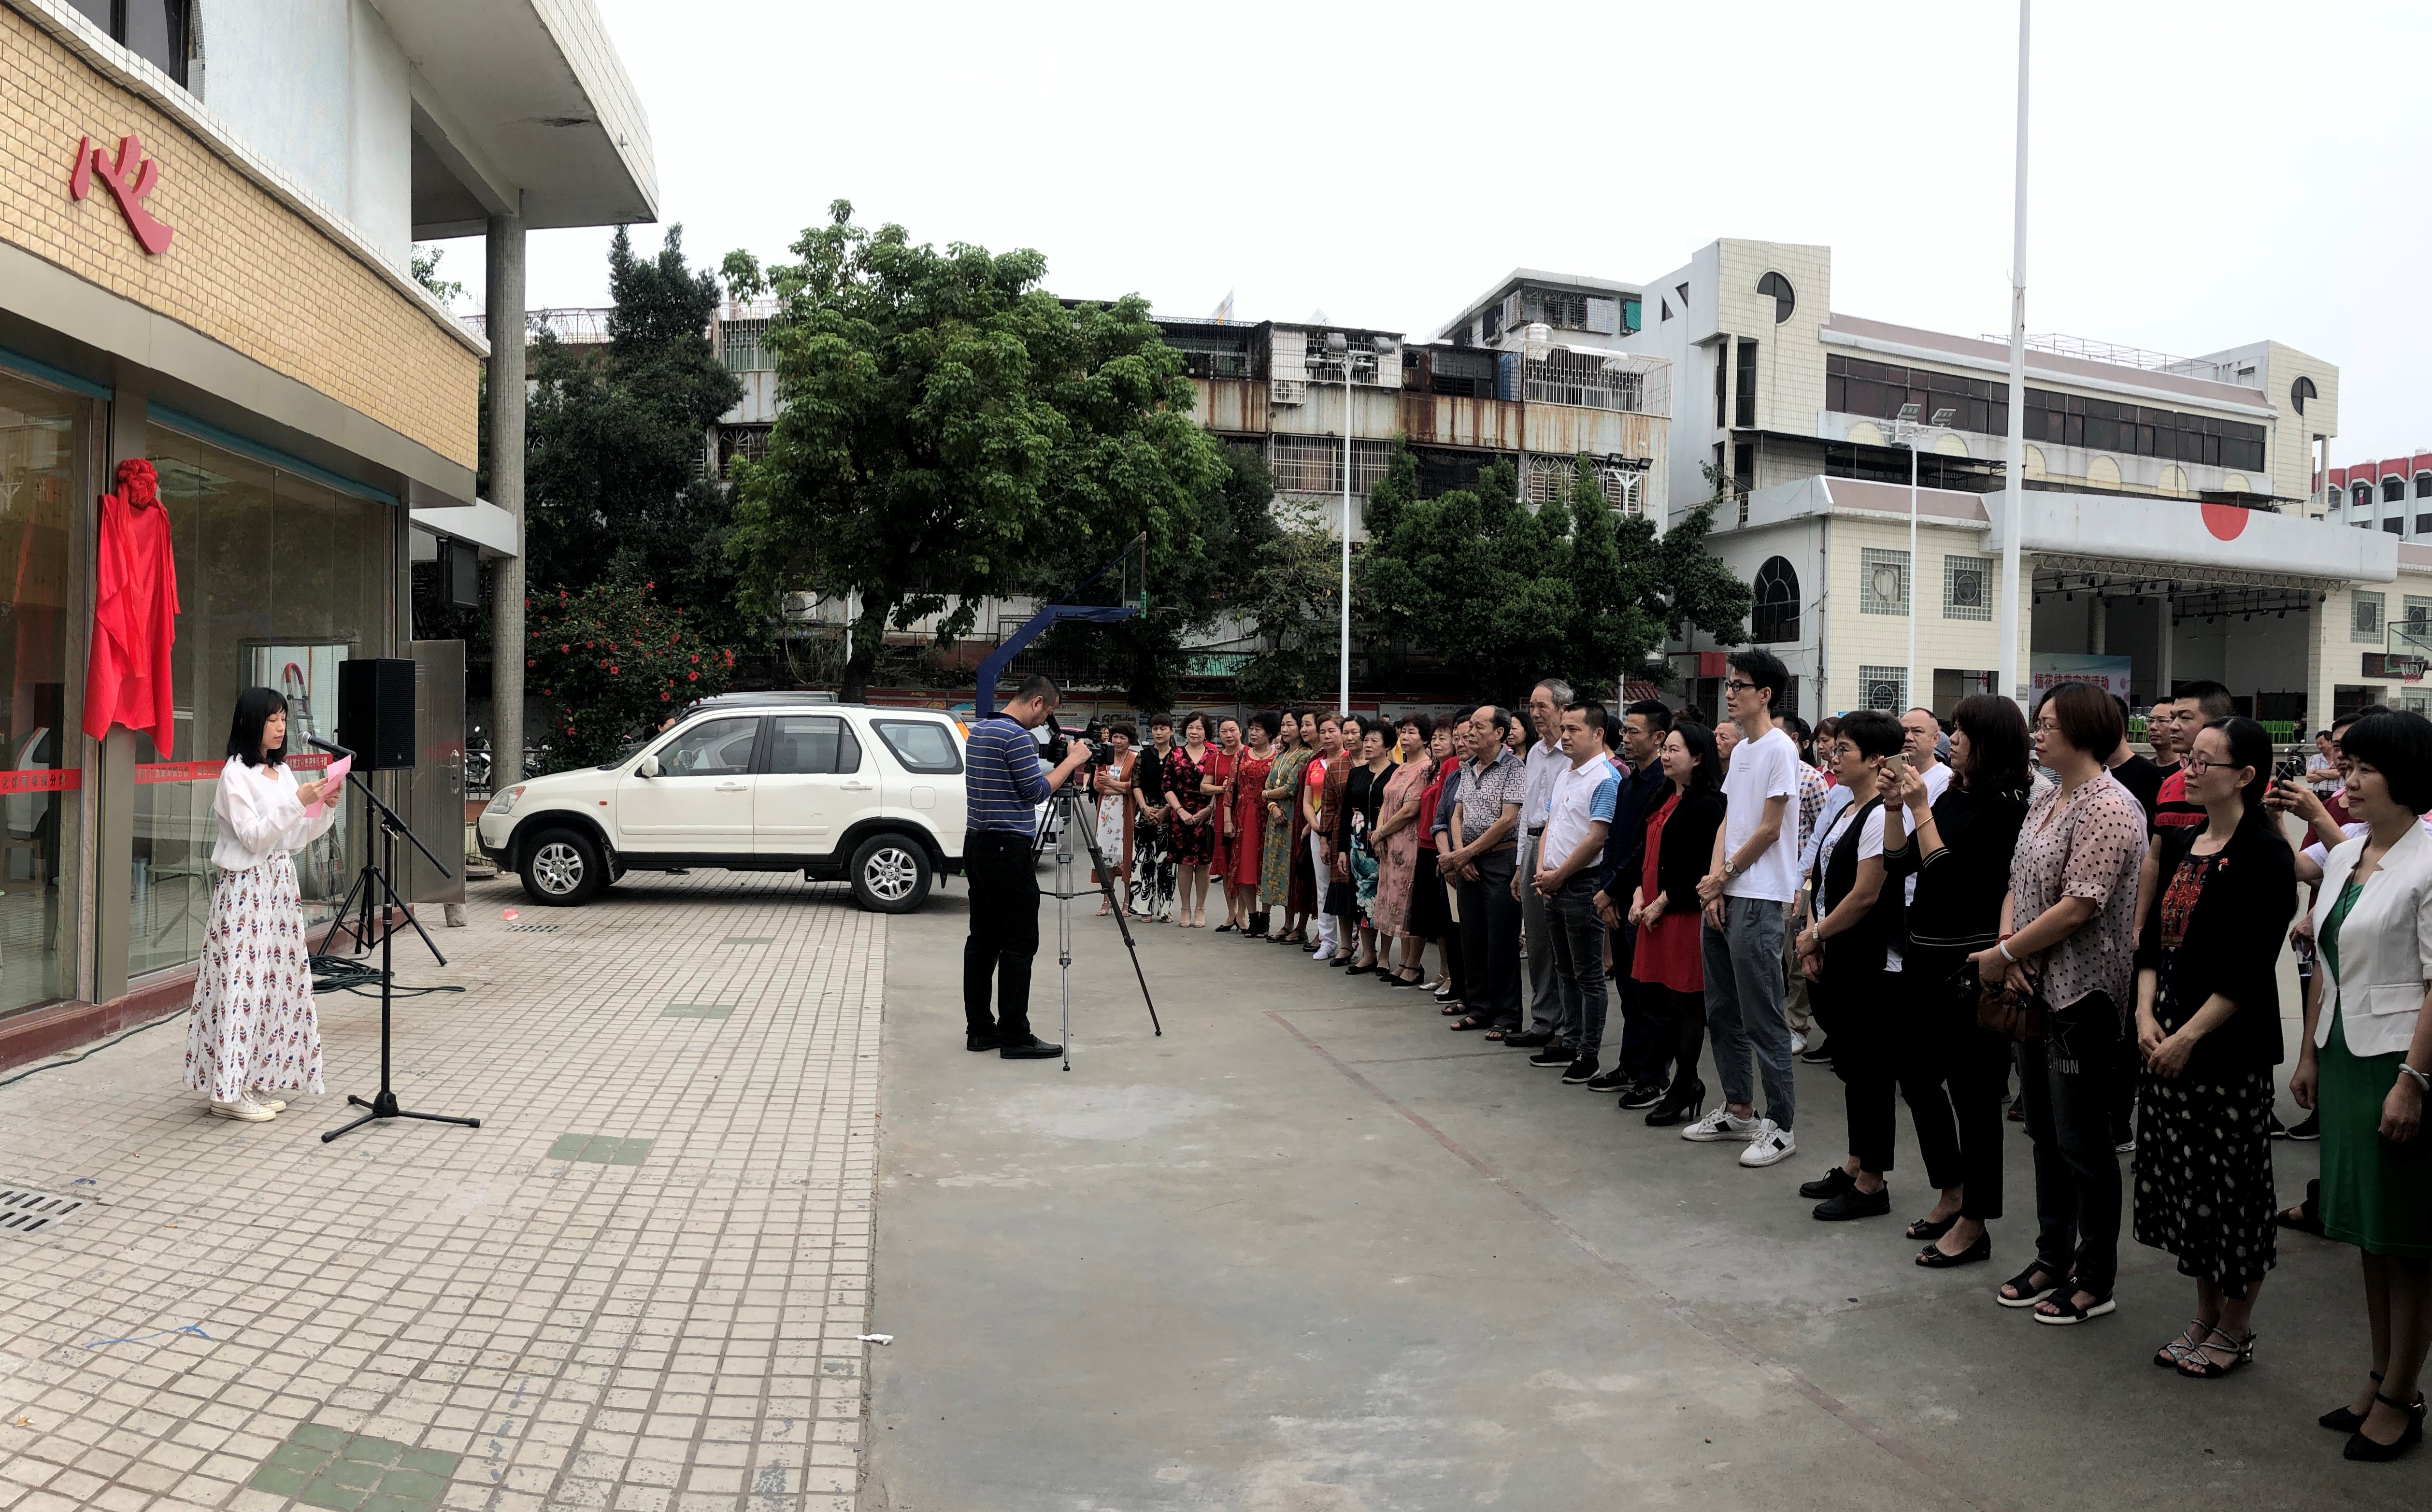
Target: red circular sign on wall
(2224,520)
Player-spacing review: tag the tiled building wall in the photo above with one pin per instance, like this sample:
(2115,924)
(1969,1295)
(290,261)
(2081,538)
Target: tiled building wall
(244,269)
(1858,639)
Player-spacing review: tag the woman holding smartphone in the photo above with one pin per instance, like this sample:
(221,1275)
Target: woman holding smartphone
(253,1032)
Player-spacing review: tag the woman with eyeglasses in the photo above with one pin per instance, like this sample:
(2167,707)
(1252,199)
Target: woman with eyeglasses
(2218,900)
(2365,1063)
(2068,937)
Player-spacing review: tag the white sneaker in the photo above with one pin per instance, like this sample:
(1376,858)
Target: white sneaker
(1720,1125)
(245,1109)
(266,1102)
(1772,1143)
(1798,1040)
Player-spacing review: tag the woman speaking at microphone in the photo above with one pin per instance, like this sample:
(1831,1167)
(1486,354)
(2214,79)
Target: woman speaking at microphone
(253,1033)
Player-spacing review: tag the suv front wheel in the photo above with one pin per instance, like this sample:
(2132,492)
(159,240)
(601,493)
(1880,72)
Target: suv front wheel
(890,874)
(562,868)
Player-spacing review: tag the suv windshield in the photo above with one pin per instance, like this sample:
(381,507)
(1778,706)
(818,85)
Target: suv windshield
(624,753)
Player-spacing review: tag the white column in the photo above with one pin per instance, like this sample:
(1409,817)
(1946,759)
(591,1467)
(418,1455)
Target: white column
(503,322)
(2098,624)
(2162,630)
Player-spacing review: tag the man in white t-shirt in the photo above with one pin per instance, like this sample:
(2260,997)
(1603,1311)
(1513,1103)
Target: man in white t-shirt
(1746,894)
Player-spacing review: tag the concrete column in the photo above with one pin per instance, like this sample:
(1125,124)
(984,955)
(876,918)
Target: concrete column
(2098,624)
(2162,648)
(505,326)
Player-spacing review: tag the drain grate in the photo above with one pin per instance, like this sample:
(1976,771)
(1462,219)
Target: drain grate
(24,1210)
(531,928)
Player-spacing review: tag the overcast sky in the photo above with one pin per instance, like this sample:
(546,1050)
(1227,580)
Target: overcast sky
(2203,175)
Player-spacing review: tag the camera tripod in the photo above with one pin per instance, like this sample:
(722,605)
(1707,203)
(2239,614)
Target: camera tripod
(1064,807)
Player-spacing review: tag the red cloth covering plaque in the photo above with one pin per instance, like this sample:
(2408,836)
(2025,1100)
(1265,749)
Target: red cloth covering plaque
(134,613)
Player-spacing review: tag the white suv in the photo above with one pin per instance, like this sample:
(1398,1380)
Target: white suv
(749,782)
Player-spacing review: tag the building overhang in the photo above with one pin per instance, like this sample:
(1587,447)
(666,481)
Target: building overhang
(480,524)
(521,98)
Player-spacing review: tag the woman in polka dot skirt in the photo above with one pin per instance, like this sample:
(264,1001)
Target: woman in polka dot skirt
(2219,900)
(253,1033)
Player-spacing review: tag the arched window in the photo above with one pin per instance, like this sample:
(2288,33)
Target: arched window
(2393,488)
(1775,616)
(2301,390)
(1776,288)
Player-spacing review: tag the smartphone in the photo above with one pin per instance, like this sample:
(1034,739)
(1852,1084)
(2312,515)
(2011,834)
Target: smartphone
(1895,765)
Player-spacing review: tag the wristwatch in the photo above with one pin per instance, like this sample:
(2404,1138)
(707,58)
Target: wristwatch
(1731,869)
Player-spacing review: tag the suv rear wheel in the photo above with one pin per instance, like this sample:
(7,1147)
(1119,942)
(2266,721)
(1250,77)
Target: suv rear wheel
(890,874)
(564,867)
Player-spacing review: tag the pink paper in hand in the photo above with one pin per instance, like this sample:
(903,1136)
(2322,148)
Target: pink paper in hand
(333,778)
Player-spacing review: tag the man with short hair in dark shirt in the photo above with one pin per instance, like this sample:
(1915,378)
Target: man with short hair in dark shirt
(2199,704)
(2140,775)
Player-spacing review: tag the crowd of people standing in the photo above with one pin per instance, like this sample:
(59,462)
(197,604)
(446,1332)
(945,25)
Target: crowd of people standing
(1939,910)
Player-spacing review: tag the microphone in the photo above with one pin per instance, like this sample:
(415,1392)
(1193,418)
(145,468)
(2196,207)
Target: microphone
(329,746)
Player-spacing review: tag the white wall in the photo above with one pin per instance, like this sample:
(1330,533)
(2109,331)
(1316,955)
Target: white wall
(320,90)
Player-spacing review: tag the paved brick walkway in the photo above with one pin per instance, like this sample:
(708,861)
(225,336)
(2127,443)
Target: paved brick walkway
(638,1285)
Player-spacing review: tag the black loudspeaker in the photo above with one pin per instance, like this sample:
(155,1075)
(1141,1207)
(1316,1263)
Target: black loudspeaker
(375,712)
(460,575)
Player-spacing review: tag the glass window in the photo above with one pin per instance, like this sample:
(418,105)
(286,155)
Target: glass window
(1883,581)
(1776,288)
(1775,618)
(812,746)
(920,745)
(45,438)
(280,580)
(1745,408)
(713,748)
(2393,488)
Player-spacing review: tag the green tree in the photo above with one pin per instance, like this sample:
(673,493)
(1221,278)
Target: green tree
(1508,594)
(426,273)
(611,660)
(616,485)
(953,431)
(1693,589)
(1292,599)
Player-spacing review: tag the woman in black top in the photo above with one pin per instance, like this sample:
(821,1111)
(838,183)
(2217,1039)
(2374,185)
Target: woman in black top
(1354,819)
(2217,901)
(1844,955)
(1674,849)
(1953,1075)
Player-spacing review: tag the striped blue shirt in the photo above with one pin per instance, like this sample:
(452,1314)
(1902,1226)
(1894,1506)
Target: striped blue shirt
(1002,783)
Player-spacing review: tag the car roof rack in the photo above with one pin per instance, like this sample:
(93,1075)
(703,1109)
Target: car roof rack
(728,700)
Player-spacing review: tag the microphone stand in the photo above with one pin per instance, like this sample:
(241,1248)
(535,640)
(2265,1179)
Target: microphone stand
(375,876)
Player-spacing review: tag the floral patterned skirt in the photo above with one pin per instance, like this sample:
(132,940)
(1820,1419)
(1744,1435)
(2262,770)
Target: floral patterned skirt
(253,1023)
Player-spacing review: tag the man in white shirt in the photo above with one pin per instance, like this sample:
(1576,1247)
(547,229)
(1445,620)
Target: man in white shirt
(1544,1019)
(1746,895)
(1579,817)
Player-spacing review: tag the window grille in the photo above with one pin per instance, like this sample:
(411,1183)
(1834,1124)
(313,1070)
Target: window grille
(1313,465)
(1883,581)
(1883,687)
(1967,587)
(1547,478)
(739,343)
(2364,623)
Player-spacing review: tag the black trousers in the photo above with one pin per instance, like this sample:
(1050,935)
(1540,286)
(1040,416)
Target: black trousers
(1955,1079)
(1004,881)
(2068,1080)
(1489,943)
(1854,1003)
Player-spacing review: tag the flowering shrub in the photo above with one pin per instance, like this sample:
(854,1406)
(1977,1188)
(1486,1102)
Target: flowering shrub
(610,663)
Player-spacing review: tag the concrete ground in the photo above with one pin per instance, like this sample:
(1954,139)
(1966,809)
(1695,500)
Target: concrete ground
(638,1285)
(1309,1253)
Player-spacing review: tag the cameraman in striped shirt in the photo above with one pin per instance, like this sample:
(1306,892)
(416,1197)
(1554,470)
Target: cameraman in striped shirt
(1003,787)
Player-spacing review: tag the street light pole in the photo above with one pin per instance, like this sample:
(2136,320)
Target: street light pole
(1905,429)
(2013,471)
(1339,347)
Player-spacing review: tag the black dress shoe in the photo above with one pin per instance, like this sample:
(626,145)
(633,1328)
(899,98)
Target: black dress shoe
(1935,1259)
(1817,1052)
(980,1042)
(1033,1049)
(1532,1039)
(1854,1204)
(1835,1181)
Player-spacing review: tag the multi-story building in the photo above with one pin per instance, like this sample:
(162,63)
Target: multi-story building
(2168,531)
(205,263)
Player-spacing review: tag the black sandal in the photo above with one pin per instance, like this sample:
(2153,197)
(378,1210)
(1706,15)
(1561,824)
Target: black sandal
(2198,1365)
(1932,1229)
(2171,1356)
(2072,1313)
(2028,1295)
(1473,1022)
(1453,1009)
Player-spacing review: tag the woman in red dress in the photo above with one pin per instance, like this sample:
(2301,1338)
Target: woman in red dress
(1191,831)
(1245,825)
(1667,965)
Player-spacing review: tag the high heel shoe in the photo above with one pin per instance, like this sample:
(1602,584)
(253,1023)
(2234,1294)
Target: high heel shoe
(2361,1447)
(1678,1106)
(2346,1419)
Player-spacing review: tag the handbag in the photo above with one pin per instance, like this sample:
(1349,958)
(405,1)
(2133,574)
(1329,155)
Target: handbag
(2001,1009)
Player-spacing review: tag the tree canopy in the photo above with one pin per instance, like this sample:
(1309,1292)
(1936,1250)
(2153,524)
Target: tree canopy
(1508,594)
(953,431)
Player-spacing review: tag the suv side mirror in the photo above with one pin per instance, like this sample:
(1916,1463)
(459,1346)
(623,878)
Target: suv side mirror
(649,766)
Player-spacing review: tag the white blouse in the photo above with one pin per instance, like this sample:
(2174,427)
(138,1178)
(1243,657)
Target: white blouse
(260,816)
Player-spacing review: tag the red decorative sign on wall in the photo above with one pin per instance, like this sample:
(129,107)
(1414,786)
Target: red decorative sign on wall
(130,181)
